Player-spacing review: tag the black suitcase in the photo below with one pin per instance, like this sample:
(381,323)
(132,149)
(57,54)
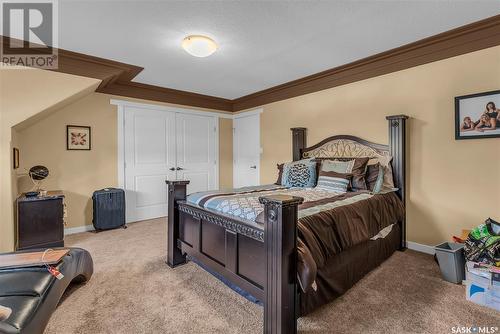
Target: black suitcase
(109,209)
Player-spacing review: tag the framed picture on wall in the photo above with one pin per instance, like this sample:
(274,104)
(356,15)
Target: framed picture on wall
(477,115)
(15,158)
(78,138)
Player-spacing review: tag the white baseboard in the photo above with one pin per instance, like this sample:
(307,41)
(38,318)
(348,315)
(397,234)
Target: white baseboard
(420,247)
(86,228)
(78,229)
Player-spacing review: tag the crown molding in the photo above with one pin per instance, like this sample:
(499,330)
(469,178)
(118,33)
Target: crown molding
(116,77)
(168,95)
(472,37)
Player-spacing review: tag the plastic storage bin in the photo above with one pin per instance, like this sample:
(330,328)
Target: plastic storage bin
(483,289)
(451,261)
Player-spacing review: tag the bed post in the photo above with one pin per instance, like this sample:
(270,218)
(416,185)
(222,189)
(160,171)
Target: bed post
(397,149)
(280,244)
(176,191)
(298,142)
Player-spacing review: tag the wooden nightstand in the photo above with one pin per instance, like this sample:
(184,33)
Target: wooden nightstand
(40,221)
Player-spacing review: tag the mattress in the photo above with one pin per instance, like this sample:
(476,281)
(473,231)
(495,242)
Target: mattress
(329,222)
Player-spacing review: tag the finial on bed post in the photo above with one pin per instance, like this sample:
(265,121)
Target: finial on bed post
(280,246)
(397,148)
(299,142)
(176,191)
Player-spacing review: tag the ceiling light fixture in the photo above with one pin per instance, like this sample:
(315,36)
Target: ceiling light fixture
(199,46)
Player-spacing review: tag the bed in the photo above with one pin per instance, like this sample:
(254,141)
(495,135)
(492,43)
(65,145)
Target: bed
(293,249)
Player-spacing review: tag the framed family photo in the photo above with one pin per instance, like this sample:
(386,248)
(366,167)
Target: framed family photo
(477,115)
(15,158)
(78,138)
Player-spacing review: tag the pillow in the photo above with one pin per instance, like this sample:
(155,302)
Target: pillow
(388,183)
(280,173)
(300,173)
(332,181)
(385,162)
(354,166)
(374,177)
(337,166)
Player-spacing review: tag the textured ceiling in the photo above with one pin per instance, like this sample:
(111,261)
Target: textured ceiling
(261,44)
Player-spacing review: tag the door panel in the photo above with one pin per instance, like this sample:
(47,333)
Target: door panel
(196,151)
(160,145)
(198,181)
(150,143)
(246,151)
(147,188)
(149,155)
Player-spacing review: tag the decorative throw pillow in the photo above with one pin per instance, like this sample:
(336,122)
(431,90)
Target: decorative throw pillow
(388,178)
(374,177)
(332,181)
(354,166)
(385,162)
(300,173)
(337,166)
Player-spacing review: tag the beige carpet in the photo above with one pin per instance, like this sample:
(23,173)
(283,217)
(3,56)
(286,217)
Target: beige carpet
(133,291)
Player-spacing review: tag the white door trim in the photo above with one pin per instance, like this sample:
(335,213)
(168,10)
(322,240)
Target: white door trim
(255,112)
(121,146)
(121,104)
(168,108)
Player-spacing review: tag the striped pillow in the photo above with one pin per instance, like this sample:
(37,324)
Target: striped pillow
(333,181)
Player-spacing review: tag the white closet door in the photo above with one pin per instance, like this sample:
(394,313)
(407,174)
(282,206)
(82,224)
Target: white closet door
(196,151)
(149,154)
(246,151)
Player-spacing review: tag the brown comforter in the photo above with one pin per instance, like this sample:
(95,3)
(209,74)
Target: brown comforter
(327,233)
(321,235)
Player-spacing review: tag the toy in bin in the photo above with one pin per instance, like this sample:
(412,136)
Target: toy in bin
(483,243)
(482,251)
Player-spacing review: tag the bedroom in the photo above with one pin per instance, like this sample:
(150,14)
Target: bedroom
(235,108)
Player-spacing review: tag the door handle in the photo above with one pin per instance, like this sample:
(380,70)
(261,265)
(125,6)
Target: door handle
(179,168)
(253,167)
(172,168)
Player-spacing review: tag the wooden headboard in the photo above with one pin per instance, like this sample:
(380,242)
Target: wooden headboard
(346,146)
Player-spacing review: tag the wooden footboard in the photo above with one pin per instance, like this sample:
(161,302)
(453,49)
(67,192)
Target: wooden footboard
(280,243)
(234,251)
(176,191)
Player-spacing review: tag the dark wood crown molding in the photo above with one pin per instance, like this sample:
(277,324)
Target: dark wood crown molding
(116,77)
(168,95)
(472,37)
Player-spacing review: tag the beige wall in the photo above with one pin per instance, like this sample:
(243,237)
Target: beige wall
(13,176)
(25,93)
(452,184)
(79,173)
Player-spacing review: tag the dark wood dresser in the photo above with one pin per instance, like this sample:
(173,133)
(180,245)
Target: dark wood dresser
(40,221)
